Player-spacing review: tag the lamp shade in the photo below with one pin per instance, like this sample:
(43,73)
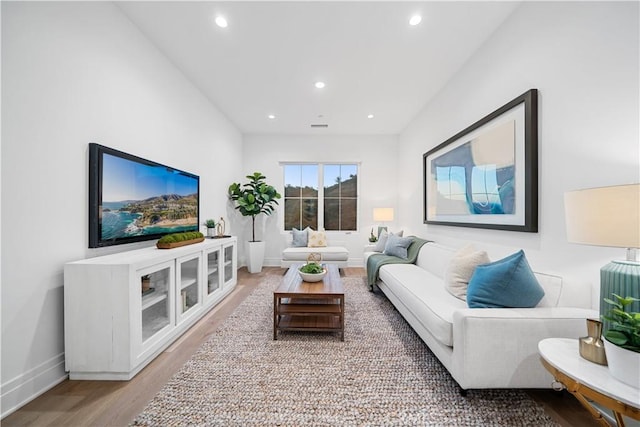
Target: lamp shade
(606,216)
(382,214)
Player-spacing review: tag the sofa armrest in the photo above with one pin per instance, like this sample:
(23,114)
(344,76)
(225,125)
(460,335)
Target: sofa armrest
(548,313)
(287,239)
(498,347)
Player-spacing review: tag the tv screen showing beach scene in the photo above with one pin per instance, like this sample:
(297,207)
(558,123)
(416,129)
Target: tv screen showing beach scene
(140,200)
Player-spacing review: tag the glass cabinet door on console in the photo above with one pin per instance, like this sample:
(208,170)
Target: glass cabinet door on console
(230,263)
(189,284)
(156,299)
(212,270)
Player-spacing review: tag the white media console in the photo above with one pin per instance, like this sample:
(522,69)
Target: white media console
(122,310)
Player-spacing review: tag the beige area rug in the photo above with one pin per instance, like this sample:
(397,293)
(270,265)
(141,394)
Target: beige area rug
(381,375)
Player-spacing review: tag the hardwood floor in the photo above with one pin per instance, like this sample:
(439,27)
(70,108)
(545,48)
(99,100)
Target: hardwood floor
(116,403)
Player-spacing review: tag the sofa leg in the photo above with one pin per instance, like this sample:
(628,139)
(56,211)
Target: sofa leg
(463,392)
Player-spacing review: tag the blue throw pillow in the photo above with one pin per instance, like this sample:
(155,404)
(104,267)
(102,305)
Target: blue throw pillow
(397,246)
(505,283)
(299,238)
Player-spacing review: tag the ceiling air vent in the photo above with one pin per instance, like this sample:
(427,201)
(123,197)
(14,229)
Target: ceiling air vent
(319,125)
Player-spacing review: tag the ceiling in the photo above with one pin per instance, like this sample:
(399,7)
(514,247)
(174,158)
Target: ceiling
(266,61)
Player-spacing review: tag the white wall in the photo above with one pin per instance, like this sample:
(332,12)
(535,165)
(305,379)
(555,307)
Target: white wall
(74,73)
(377,156)
(583,58)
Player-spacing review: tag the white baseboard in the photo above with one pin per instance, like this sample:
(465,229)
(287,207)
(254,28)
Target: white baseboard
(24,388)
(271,262)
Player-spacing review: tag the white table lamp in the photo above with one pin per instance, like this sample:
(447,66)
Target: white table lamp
(609,216)
(382,215)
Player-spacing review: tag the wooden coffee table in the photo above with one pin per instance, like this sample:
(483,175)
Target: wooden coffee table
(306,306)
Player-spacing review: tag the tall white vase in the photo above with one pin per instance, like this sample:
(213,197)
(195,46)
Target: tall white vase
(255,256)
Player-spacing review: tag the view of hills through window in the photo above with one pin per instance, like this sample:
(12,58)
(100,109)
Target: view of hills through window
(337,198)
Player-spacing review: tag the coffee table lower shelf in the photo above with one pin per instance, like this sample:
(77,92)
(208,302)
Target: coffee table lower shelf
(309,323)
(315,317)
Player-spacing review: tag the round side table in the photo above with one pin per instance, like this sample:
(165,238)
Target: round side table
(588,381)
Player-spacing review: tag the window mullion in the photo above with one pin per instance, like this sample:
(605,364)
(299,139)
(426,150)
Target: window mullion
(340,200)
(320,196)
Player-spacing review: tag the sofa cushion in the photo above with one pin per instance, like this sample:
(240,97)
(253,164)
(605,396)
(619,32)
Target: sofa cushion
(552,286)
(461,268)
(397,246)
(424,294)
(328,253)
(435,258)
(300,237)
(508,282)
(317,239)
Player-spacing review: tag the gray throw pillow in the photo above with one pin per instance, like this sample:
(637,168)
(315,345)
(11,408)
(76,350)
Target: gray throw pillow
(299,238)
(382,239)
(397,246)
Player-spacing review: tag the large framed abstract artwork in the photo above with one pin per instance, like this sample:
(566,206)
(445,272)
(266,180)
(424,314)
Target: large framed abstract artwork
(486,176)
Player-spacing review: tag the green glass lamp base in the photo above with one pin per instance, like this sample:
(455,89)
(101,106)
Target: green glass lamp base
(621,278)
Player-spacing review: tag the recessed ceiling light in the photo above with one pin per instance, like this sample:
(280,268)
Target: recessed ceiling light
(271,116)
(370,116)
(415,20)
(319,85)
(221,22)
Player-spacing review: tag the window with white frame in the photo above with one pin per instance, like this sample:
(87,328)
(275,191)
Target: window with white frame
(321,196)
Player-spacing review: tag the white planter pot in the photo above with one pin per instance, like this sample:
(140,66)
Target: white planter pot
(211,232)
(255,256)
(624,365)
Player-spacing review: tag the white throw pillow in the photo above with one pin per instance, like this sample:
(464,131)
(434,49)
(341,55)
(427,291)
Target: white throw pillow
(461,268)
(317,239)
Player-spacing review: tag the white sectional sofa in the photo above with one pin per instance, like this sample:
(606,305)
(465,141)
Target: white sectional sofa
(483,347)
(334,253)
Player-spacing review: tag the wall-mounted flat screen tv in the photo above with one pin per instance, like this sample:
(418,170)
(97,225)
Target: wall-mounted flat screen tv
(132,199)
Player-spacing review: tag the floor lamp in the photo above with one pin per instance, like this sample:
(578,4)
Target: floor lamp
(382,215)
(609,216)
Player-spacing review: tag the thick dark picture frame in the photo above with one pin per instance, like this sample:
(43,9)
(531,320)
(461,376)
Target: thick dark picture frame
(530,149)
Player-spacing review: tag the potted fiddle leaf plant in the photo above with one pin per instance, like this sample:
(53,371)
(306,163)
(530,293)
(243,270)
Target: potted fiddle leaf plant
(253,198)
(622,340)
